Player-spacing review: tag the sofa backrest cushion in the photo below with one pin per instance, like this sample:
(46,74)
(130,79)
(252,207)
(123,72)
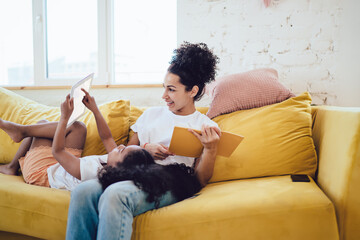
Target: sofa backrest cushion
(278,140)
(18,109)
(252,89)
(116,114)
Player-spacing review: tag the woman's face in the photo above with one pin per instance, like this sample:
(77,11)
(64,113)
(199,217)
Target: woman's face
(118,154)
(179,101)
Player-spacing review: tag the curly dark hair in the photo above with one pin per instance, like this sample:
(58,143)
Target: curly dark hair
(195,64)
(152,178)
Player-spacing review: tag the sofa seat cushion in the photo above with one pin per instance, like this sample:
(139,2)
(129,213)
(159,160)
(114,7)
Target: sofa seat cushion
(32,210)
(262,208)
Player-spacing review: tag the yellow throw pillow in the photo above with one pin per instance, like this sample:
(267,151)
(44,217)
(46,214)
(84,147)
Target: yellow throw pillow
(116,115)
(18,109)
(277,141)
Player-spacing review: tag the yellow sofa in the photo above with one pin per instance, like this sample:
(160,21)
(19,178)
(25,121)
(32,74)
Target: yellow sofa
(250,196)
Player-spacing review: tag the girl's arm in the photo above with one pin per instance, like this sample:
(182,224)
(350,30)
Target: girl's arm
(204,166)
(68,161)
(102,126)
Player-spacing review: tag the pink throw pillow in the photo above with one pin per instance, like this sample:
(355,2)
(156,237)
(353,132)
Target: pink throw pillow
(252,89)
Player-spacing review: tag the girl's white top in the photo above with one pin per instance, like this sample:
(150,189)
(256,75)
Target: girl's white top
(89,167)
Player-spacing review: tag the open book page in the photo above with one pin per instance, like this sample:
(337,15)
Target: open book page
(184,143)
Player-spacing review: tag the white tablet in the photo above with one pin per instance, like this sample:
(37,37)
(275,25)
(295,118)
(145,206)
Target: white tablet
(78,95)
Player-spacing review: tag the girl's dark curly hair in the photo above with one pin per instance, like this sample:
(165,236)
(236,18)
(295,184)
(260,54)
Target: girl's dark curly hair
(195,64)
(152,178)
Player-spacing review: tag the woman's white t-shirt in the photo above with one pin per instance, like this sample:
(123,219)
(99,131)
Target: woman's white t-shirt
(156,125)
(89,167)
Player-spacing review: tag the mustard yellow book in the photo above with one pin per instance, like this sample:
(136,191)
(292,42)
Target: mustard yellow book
(185,143)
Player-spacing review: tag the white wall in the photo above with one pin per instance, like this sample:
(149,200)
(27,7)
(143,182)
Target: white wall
(348,85)
(301,39)
(312,43)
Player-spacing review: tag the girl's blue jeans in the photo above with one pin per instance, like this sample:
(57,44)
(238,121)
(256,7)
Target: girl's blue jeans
(98,214)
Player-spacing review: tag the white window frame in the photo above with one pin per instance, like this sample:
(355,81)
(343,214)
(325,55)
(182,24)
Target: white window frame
(105,46)
(105,72)
(39,41)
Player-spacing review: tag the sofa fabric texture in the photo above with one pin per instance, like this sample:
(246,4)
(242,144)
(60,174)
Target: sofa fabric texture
(245,209)
(32,210)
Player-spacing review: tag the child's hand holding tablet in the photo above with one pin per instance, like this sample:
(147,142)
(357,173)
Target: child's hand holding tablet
(77,94)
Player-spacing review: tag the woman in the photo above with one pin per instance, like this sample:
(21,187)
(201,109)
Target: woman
(95,213)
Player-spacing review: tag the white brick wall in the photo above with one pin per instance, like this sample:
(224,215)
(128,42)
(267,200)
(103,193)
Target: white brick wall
(301,39)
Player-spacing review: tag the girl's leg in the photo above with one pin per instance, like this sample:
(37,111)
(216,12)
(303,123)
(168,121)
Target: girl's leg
(18,132)
(44,129)
(119,204)
(75,135)
(83,211)
(14,131)
(75,138)
(13,167)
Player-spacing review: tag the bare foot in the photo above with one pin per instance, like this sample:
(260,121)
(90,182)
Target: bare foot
(8,170)
(13,130)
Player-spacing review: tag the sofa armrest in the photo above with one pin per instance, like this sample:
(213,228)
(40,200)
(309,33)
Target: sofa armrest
(336,134)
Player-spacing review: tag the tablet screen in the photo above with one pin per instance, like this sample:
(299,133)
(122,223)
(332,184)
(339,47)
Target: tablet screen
(77,94)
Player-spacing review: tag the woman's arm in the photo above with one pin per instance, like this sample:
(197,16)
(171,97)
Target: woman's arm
(102,126)
(68,161)
(158,151)
(204,166)
(134,140)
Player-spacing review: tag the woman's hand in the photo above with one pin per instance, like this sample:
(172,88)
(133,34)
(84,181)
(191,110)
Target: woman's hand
(67,107)
(89,101)
(158,151)
(209,137)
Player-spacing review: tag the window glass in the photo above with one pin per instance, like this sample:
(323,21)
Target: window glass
(16,43)
(144,38)
(72,44)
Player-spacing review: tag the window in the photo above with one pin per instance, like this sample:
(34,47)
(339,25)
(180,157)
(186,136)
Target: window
(58,42)
(16,43)
(71,38)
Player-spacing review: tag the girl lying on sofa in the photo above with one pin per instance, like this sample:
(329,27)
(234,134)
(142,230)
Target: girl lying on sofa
(50,156)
